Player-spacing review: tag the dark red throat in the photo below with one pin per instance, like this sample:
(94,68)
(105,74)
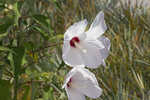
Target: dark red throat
(69,83)
(73,40)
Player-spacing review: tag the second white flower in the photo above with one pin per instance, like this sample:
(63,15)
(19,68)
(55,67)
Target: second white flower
(80,82)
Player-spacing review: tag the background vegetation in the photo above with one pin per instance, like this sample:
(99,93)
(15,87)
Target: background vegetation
(31,38)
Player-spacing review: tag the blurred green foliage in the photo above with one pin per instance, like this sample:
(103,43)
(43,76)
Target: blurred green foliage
(31,38)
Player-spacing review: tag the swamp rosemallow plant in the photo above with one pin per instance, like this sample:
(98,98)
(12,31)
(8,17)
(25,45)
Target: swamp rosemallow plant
(80,82)
(82,49)
(88,48)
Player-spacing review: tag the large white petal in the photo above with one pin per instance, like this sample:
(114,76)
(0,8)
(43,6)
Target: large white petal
(75,29)
(88,73)
(75,70)
(66,47)
(92,91)
(98,27)
(72,57)
(92,58)
(105,41)
(104,51)
(74,95)
(85,82)
(70,74)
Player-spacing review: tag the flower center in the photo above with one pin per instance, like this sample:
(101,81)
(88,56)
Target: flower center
(73,41)
(69,83)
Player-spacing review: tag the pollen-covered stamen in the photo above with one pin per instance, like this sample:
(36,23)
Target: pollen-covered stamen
(69,83)
(73,41)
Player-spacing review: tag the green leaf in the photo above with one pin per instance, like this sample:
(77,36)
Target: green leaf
(19,5)
(10,58)
(27,93)
(18,58)
(17,62)
(17,13)
(54,38)
(34,90)
(48,95)
(41,19)
(3,35)
(45,65)
(5,49)
(43,33)
(51,94)
(5,90)
(7,23)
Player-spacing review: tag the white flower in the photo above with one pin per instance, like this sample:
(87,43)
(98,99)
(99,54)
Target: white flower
(79,83)
(86,48)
